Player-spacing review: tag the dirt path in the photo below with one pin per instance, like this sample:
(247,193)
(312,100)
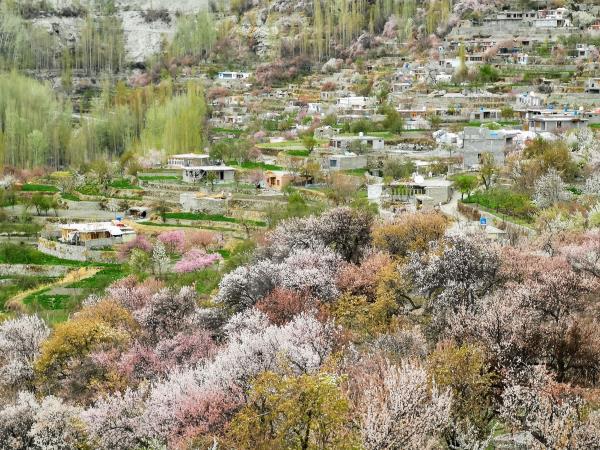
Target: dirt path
(81,273)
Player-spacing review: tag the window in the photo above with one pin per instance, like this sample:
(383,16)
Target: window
(559,124)
(333,163)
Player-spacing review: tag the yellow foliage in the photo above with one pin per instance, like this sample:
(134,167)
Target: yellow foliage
(411,232)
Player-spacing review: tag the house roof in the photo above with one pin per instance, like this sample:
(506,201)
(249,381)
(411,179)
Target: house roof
(114,228)
(211,168)
(190,156)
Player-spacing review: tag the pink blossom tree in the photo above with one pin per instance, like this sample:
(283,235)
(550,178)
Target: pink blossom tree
(195,260)
(174,241)
(140,242)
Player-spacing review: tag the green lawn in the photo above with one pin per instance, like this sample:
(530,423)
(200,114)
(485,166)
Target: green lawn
(249,165)
(26,254)
(210,217)
(39,188)
(56,308)
(123,184)
(71,197)
(29,229)
(160,178)
(298,153)
(227,131)
(355,172)
(101,280)
(21,284)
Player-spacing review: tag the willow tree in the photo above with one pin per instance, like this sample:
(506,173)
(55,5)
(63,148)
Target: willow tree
(26,46)
(177,124)
(35,124)
(102,45)
(438,14)
(195,35)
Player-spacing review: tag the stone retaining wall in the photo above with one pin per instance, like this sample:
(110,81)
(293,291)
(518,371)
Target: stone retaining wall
(23,270)
(74,252)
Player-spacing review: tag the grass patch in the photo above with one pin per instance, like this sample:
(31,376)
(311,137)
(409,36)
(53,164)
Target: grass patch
(21,284)
(160,178)
(299,153)
(44,300)
(123,184)
(249,165)
(210,217)
(100,281)
(71,197)
(167,225)
(227,131)
(24,254)
(28,229)
(39,188)
(355,172)
(516,207)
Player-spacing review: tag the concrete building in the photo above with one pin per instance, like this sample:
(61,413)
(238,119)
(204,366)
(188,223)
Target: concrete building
(592,86)
(222,174)
(485,115)
(233,75)
(187,160)
(279,179)
(479,140)
(422,193)
(346,161)
(199,202)
(556,123)
(347,142)
(553,18)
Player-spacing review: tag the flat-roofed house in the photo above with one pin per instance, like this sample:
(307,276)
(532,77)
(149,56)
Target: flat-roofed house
(279,179)
(555,123)
(479,140)
(199,174)
(187,160)
(347,142)
(97,234)
(347,161)
(233,75)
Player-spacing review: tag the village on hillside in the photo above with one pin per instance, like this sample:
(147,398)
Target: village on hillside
(211,212)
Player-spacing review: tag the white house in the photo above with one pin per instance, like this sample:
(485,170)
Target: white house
(233,75)
(222,174)
(96,235)
(187,160)
(553,18)
(346,142)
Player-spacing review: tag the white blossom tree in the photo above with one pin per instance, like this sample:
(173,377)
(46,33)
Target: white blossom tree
(400,409)
(550,189)
(29,424)
(20,341)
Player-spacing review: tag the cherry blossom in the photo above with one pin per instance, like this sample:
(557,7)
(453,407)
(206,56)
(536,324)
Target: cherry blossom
(196,259)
